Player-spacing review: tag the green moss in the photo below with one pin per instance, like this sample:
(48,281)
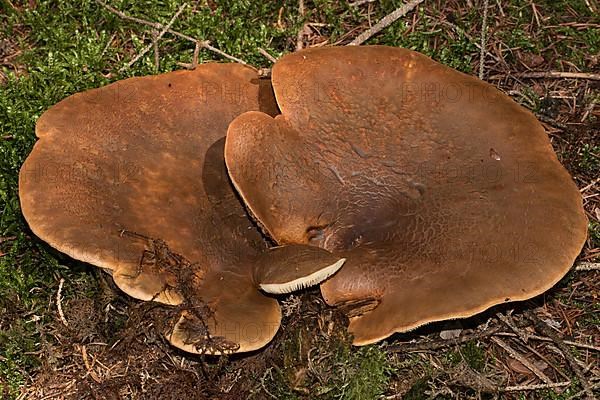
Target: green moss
(337,369)
(474,356)
(568,393)
(594,233)
(589,158)
(369,375)
(418,390)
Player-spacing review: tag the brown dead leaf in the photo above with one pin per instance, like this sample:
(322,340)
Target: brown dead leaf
(519,368)
(530,60)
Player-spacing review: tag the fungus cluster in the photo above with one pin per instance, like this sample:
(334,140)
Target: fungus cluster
(413,192)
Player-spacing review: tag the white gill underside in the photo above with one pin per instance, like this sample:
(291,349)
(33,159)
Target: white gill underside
(305,281)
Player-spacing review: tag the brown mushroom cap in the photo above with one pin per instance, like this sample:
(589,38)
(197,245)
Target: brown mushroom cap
(442,193)
(131,178)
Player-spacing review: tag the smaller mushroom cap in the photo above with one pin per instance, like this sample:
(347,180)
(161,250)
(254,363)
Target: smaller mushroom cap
(289,268)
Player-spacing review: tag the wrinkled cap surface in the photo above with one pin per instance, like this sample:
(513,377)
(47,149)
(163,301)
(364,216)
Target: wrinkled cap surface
(130,177)
(442,193)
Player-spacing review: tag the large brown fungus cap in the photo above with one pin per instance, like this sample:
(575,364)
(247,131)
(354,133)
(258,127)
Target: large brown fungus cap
(443,194)
(131,178)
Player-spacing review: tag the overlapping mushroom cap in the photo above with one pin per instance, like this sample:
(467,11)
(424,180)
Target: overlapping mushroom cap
(130,177)
(444,195)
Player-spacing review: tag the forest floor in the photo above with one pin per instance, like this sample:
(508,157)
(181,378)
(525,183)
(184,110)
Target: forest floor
(544,348)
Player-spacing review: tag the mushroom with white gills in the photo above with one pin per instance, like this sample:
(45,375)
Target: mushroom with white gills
(130,177)
(443,194)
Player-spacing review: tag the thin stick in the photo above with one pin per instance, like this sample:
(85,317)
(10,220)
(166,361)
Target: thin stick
(438,344)
(385,22)
(534,387)
(59,302)
(262,382)
(587,266)
(114,35)
(514,354)
(267,55)
(547,331)
(525,337)
(128,17)
(592,184)
(197,47)
(7,238)
(508,322)
(203,43)
(588,110)
(206,45)
(559,75)
(545,339)
(361,2)
(300,36)
(582,392)
(483,38)
(156,53)
(500,8)
(89,366)
(548,120)
(157,38)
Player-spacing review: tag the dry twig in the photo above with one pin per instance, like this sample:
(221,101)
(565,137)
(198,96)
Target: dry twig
(205,44)
(587,266)
(156,38)
(7,238)
(508,322)
(385,22)
(547,331)
(359,3)
(267,55)
(300,36)
(559,75)
(439,344)
(156,52)
(486,6)
(89,366)
(545,339)
(61,314)
(517,356)
(591,185)
(523,388)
